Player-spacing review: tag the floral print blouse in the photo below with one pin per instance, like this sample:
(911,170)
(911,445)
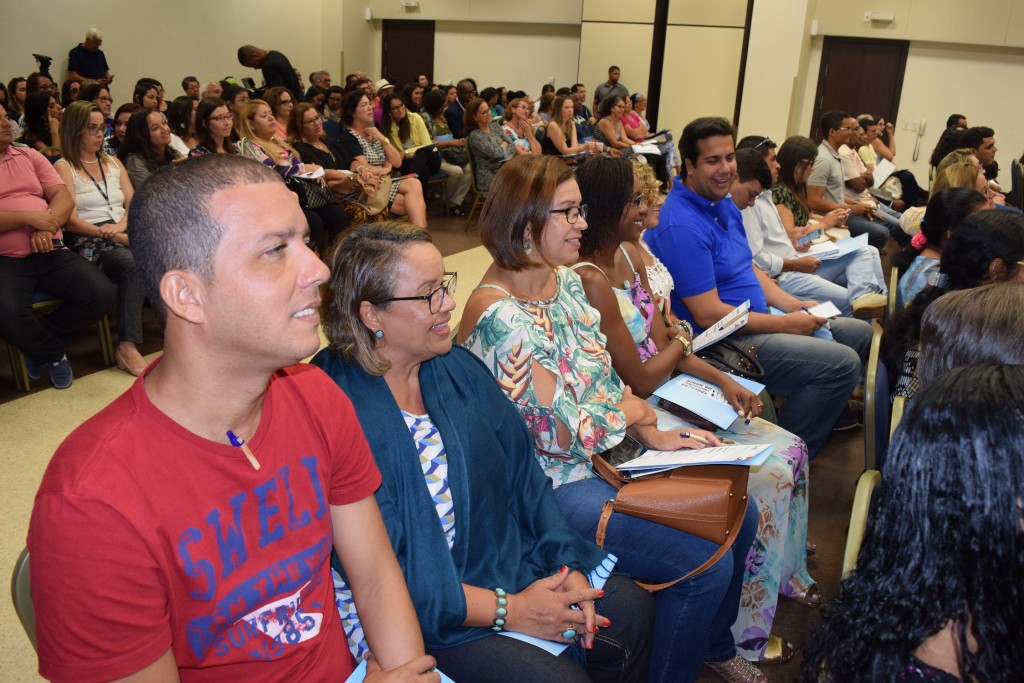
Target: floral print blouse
(563,335)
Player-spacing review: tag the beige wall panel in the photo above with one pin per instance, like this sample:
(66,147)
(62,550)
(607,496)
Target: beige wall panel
(1015,28)
(935,87)
(703,13)
(772,90)
(525,11)
(518,56)
(701,74)
(152,38)
(633,11)
(846,18)
(981,22)
(453,10)
(627,46)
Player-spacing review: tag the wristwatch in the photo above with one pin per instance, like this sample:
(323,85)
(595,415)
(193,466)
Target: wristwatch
(687,345)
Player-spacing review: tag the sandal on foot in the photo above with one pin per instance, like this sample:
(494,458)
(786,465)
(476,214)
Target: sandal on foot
(810,597)
(811,548)
(457,211)
(737,670)
(778,651)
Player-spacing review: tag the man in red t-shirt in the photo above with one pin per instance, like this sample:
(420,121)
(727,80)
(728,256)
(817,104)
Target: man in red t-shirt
(163,550)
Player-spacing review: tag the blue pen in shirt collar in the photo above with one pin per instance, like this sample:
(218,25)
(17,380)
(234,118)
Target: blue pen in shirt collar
(240,443)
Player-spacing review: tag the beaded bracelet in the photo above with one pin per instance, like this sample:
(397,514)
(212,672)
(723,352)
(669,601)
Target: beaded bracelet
(500,610)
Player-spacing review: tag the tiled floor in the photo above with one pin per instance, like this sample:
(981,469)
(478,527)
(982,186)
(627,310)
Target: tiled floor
(33,425)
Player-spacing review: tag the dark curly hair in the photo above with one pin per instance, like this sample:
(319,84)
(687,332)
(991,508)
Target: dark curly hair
(950,140)
(943,543)
(981,239)
(946,208)
(606,185)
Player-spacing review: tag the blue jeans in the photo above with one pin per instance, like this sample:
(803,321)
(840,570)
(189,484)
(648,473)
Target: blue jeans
(84,292)
(879,230)
(621,652)
(692,618)
(839,280)
(816,375)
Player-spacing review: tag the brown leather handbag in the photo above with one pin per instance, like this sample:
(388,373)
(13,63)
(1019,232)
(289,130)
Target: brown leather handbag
(709,501)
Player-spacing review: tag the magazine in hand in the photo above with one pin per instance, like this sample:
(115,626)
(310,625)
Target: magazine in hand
(732,321)
(653,462)
(703,398)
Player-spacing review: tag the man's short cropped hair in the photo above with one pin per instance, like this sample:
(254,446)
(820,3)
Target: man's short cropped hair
(613,68)
(576,87)
(751,165)
(975,135)
(93,34)
(832,120)
(170,215)
(188,79)
(699,129)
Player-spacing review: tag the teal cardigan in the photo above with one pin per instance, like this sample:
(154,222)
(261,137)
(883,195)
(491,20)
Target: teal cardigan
(509,531)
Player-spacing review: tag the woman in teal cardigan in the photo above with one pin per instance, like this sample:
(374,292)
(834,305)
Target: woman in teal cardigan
(473,520)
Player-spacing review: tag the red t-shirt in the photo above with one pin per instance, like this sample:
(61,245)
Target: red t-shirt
(145,537)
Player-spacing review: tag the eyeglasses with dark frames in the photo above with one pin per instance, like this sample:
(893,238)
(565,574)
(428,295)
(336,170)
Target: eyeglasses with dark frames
(636,201)
(572,213)
(434,298)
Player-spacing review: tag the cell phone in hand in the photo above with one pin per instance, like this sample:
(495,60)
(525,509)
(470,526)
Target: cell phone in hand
(57,243)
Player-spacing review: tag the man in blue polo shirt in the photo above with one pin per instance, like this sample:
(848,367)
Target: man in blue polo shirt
(701,240)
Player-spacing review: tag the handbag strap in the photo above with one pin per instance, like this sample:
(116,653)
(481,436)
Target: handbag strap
(602,531)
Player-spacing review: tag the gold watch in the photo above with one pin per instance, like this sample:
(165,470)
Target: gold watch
(687,345)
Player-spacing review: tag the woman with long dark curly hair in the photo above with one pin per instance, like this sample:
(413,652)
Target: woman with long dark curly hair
(937,592)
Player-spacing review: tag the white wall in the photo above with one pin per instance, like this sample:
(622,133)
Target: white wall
(518,56)
(166,41)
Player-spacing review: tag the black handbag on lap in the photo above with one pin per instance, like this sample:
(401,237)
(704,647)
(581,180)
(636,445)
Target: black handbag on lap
(734,357)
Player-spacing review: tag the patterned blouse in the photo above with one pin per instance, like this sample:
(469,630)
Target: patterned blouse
(636,307)
(563,335)
(783,195)
(660,279)
(253,150)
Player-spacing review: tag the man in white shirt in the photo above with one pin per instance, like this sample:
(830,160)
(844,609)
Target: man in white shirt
(854,282)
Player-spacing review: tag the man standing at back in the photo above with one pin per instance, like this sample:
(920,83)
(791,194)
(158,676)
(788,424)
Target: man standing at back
(185,532)
(701,240)
(612,87)
(87,61)
(276,68)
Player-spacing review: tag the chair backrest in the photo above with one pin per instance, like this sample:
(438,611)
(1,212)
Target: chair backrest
(1016,196)
(859,518)
(22,596)
(872,400)
(472,167)
(890,303)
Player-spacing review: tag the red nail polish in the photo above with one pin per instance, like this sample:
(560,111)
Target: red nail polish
(593,629)
(607,623)
(563,570)
(600,594)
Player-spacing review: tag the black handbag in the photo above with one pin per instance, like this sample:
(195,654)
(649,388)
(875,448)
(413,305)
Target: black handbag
(734,357)
(312,195)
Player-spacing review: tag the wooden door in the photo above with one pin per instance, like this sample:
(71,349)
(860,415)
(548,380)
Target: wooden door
(407,51)
(860,76)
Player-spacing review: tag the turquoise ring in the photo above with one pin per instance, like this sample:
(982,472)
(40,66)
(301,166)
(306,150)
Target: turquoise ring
(569,633)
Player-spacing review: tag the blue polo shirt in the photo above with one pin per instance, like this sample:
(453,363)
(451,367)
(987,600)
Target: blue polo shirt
(704,246)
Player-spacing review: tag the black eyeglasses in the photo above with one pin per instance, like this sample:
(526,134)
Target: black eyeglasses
(434,298)
(766,141)
(573,213)
(636,201)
